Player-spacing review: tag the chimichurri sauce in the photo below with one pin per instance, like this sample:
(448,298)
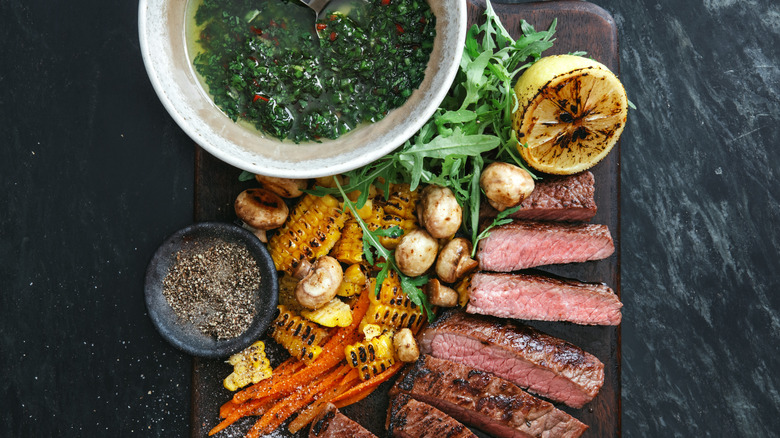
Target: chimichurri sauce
(263,62)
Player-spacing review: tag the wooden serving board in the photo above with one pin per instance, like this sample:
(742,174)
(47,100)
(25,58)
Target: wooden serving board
(581,26)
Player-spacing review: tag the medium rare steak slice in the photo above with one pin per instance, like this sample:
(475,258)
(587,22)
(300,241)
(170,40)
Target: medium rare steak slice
(542,298)
(409,418)
(557,198)
(485,401)
(526,244)
(544,364)
(333,424)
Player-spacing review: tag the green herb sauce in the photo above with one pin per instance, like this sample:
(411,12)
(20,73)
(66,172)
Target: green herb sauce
(262,61)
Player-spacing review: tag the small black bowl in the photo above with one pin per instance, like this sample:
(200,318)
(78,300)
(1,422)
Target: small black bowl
(184,335)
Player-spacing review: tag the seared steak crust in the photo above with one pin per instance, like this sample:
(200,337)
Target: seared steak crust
(546,365)
(526,244)
(557,198)
(485,401)
(543,298)
(409,418)
(333,424)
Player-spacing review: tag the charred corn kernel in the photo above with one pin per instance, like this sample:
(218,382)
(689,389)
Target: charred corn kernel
(462,288)
(374,220)
(395,317)
(370,331)
(390,292)
(249,366)
(287,299)
(335,313)
(373,356)
(399,210)
(349,247)
(354,281)
(392,307)
(300,337)
(309,232)
(366,210)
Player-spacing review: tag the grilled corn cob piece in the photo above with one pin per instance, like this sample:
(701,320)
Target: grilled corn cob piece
(373,356)
(301,338)
(392,308)
(374,220)
(400,210)
(354,281)
(334,313)
(249,366)
(349,247)
(309,232)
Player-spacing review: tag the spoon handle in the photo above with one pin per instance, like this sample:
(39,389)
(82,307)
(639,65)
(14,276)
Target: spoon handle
(317,5)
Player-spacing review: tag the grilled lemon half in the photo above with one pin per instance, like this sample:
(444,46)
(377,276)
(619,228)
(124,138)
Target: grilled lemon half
(571,113)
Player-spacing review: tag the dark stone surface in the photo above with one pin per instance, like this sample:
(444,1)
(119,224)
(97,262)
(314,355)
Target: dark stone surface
(94,175)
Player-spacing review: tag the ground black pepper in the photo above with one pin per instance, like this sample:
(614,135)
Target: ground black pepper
(214,288)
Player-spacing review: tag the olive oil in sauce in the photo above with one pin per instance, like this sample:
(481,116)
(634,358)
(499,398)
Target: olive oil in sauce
(266,62)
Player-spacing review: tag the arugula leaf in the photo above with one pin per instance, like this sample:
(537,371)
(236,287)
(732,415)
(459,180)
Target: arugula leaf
(246,176)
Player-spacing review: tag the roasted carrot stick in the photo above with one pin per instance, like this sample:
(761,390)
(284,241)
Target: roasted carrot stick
(227,408)
(362,390)
(280,373)
(281,411)
(307,415)
(240,411)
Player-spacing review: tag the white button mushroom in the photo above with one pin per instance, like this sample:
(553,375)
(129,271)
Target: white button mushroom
(439,211)
(416,252)
(406,346)
(260,210)
(440,295)
(455,260)
(505,185)
(284,187)
(320,285)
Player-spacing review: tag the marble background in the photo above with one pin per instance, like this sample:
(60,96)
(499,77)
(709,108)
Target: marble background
(700,210)
(94,174)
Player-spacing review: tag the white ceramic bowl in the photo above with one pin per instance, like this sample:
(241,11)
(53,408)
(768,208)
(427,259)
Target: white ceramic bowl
(161,26)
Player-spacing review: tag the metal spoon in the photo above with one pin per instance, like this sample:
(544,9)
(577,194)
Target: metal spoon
(316,5)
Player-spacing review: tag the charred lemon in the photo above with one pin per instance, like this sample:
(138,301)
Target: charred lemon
(571,113)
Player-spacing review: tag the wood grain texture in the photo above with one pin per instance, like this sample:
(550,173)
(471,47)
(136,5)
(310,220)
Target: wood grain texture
(581,26)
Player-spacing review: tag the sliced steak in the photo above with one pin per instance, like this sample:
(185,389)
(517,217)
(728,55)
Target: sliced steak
(544,364)
(543,298)
(526,244)
(485,401)
(333,424)
(557,198)
(409,418)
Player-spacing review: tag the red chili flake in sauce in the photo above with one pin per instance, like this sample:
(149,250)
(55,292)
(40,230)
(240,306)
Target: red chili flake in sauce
(259,97)
(321,26)
(332,36)
(399,28)
(385,2)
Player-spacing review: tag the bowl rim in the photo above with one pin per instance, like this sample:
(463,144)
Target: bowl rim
(356,157)
(183,335)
